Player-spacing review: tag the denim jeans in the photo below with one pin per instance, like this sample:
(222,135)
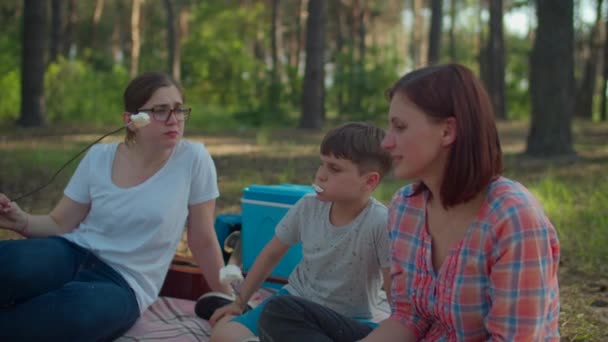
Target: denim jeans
(54,290)
(295,319)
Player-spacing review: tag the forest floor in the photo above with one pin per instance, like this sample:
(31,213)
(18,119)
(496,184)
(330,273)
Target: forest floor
(574,192)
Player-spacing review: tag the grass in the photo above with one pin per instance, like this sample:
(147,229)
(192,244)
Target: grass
(574,193)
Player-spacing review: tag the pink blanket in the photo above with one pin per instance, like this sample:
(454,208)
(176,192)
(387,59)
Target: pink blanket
(172,319)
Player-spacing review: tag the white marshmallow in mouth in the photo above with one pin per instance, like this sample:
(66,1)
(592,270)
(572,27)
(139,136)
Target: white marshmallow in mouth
(317,188)
(140,119)
(230,274)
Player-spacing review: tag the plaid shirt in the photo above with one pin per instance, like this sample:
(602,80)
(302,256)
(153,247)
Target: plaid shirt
(498,283)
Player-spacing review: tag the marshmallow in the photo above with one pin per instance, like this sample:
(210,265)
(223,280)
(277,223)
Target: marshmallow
(140,119)
(317,188)
(230,274)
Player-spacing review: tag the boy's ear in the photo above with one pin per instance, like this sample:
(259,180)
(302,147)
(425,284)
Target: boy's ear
(372,180)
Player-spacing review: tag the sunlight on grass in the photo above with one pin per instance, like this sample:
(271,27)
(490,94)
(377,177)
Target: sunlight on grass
(577,210)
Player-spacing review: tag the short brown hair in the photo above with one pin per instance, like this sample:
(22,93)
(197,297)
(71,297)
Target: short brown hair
(452,90)
(139,91)
(360,143)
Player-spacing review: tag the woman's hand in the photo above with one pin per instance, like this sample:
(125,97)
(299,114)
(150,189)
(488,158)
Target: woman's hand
(232,309)
(11,216)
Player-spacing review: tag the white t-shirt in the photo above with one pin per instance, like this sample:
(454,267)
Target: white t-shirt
(341,267)
(136,230)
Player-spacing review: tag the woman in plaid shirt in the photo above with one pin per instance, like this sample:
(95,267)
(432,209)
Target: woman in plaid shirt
(474,258)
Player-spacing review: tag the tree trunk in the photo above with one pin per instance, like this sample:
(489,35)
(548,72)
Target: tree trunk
(586,90)
(182,32)
(604,74)
(495,59)
(453,56)
(363,19)
(274,91)
(552,80)
(418,44)
(57,11)
(293,51)
(435,31)
(135,38)
(352,94)
(96,19)
(480,44)
(33,64)
(313,92)
(70,27)
(482,47)
(360,15)
(299,39)
(173,44)
(338,67)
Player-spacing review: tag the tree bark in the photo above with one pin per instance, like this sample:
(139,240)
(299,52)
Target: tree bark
(435,31)
(495,66)
(338,67)
(57,12)
(313,93)
(552,80)
(183,29)
(96,19)
(135,38)
(173,43)
(418,43)
(586,90)
(360,19)
(452,33)
(604,106)
(70,27)
(274,91)
(33,64)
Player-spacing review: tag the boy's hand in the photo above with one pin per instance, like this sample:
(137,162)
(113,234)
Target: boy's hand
(11,216)
(232,309)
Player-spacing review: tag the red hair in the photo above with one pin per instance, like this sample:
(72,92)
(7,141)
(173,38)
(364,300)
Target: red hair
(452,90)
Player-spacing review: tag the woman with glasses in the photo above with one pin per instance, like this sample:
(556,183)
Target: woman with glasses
(94,263)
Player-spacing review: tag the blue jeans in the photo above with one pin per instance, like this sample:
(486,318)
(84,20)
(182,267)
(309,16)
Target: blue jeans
(295,319)
(52,289)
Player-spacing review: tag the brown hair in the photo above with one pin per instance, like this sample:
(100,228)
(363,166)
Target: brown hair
(452,90)
(139,91)
(360,143)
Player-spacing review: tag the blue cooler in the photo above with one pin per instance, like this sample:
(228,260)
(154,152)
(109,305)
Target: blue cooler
(263,206)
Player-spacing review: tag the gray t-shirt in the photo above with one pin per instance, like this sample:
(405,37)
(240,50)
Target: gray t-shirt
(340,266)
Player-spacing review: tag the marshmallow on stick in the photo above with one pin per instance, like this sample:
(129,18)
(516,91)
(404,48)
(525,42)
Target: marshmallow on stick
(317,188)
(140,119)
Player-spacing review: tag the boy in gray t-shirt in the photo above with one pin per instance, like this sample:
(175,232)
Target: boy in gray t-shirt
(345,253)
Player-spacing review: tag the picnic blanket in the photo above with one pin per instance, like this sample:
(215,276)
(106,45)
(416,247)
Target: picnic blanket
(173,319)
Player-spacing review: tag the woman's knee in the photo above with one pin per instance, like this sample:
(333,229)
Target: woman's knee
(103,323)
(32,267)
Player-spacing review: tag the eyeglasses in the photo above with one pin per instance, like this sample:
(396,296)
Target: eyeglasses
(163,113)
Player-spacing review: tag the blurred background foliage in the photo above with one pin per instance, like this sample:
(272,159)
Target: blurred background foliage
(233,73)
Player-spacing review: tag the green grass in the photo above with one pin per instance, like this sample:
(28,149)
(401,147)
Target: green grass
(577,208)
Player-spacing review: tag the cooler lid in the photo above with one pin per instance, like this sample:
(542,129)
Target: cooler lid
(281,193)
